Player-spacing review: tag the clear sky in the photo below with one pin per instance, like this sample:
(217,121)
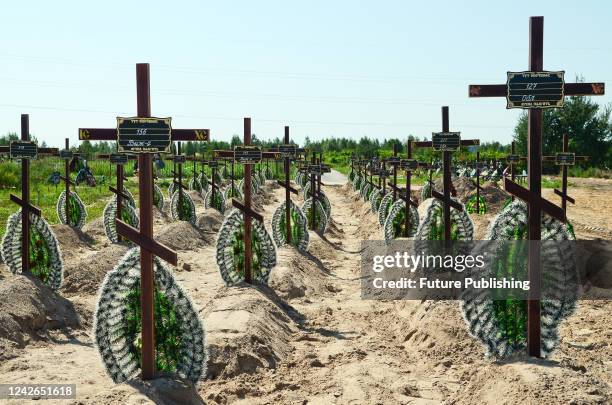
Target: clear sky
(326,68)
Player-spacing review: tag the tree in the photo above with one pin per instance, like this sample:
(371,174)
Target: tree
(586,123)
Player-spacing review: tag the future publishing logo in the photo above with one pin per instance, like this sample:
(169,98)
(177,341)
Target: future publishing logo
(432,272)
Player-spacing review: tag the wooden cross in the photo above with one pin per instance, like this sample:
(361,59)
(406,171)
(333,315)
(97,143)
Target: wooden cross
(24,201)
(446,196)
(213,164)
(408,165)
(67,155)
(533,195)
(178,160)
(477,167)
(564,163)
(287,184)
(248,155)
(394,162)
(119,160)
(513,159)
(144,237)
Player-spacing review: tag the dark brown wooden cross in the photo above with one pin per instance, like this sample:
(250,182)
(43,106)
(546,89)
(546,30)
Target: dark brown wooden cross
(24,201)
(513,159)
(447,185)
(246,207)
(213,164)
(66,155)
(564,164)
(118,160)
(478,166)
(533,195)
(178,175)
(144,237)
(287,183)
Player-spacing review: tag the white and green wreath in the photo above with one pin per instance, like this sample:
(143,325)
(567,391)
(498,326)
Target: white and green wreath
(375,199)
(232,191)
(219,203)
(432,225)
(385,207)
(180,337)
(45,256)
(500,325)
(321,219)
(395,222)
(78,212)
(128,215)
(184,213)
(158,197)
(426,191)
(231,255)
(299,227)
(194,184)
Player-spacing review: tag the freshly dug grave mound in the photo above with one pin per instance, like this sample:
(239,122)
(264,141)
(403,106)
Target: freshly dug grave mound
(73,242)
(95,229)
(86,274)
(248,328)
(29,310)
(297,275)
(182,235)
(210,222)
(495,198)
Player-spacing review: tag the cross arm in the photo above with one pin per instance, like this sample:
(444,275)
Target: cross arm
(122,194)
(67,180)
(401,194)
(110,134)
(452,202)
(487,90)
(567,197)
(288,186)
(526,195)
(146,243)
(28,207)
(570,89)
(248,211)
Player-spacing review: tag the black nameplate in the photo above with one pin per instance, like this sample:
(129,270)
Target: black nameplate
(393,161)
(565,159)
(144,135)
(446,141)
(247,154)
(118,158)
(23,150)
(409,164)
(513,159)
(288,151)
(179,159)
(65,154)
(535,89)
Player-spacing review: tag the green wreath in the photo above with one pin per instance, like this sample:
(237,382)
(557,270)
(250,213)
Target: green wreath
(179,335)
(218,204)
(321,219)
(186,212)
(158,197)
(395,223)
(78,212)
(45,256)
(501,325)
(232,192)
(426,191)
(432,226)
(231,254)
(194,184)
(375,199)
(128,215)
(470,205)
(299,227)
(385,205)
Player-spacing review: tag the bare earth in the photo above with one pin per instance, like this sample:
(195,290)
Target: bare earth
(309,338)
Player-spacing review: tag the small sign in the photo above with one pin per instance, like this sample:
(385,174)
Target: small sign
(179,159)
(409,164)
(325,168)
(65,154)
(565,159)
(314,169)
(287,151)
(535,89)
(247,155)
(144,135)
(513,159)
(213,163)
(393,161)
(118,159)
(446,141)
(383,173)
(23,150)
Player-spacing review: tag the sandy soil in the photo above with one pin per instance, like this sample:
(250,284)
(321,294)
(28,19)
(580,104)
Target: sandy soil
(308,337)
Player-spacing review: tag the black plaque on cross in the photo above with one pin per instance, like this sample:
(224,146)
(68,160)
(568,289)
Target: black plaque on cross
(145,135)
(533,195)
(287,152)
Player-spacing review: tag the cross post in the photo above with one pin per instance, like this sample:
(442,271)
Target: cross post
(287,184)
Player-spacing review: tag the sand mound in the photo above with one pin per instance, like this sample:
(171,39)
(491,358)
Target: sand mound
(210,221)
(494,196)
(298,274)
(86,275)
(95,229)
(182,235)
(29,310)
(248,328)
(72,241)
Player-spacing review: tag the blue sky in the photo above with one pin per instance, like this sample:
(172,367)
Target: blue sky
(326,68)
